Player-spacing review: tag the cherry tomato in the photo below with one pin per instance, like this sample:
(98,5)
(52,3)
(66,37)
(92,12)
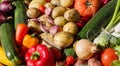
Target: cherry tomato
(70,60)
(42,9)
(107,56)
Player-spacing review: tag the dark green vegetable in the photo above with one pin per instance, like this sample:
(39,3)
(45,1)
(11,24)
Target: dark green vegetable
(8,42)
(99,20)
(20,12)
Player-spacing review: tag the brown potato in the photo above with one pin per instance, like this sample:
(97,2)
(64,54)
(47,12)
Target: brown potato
(71,15)
(60,21)
(63,39)
(58,11)
(47,5)
(70,27)
(36,3)
(55,2)
(33,12)
(66,3)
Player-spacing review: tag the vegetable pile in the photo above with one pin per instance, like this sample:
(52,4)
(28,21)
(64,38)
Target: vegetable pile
(60,32)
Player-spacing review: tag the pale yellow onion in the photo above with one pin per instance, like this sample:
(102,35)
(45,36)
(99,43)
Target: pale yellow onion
(85,49)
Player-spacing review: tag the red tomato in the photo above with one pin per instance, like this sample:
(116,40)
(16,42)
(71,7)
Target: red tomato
(70,60)
(87,8)
(107,56)
(42,9)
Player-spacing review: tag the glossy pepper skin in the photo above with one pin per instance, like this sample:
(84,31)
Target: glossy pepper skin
(21,30)
(30,40)
(39,55)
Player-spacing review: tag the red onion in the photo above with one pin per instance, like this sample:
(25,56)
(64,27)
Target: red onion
(48,11)
(5,6)
(2,17)
(43,27)
(54,29)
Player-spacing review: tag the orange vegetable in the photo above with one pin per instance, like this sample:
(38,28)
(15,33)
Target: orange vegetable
(87,8)
(30,40)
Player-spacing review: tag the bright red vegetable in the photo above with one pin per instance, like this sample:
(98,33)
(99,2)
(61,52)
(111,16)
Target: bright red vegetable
(70,60)
(21,31)
(57,53)
(107,56)
(87,8)
(42,9)
(39,55)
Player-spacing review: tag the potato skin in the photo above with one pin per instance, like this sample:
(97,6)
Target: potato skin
(70,27)
(60,21)
(56,2)
(33,12)
(63,39)
(58,11)
(36,3)
(66,3)
(72,15)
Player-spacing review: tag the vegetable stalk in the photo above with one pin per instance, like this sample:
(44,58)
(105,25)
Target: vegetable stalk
(115,17)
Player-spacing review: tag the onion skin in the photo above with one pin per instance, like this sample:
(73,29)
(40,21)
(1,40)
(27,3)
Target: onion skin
(85,49)
(2,17)
(5,6)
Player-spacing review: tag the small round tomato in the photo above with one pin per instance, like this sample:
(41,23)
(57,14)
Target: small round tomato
(42,9)
(107,56)
(70,60)
(87,8)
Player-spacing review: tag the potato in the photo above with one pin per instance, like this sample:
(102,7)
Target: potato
(58,11)
(66,3)
(60,21)
(71,15)
(36,3)
(47,5)
(63,39)
(55,2)
(70,27)
(33,12)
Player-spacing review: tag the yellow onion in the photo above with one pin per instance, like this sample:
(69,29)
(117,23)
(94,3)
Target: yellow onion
(85,49)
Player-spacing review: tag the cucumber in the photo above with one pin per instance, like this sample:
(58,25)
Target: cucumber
(100,20)
(19,13)
(8,43)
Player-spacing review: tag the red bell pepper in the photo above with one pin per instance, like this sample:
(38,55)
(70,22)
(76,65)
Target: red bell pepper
(21,31)
(39,55)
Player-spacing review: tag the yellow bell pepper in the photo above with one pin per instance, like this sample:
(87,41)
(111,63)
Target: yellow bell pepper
(30,40)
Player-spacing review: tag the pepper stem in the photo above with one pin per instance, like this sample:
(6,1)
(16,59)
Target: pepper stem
(35,55)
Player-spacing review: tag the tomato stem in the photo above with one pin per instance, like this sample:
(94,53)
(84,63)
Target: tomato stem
(88,3)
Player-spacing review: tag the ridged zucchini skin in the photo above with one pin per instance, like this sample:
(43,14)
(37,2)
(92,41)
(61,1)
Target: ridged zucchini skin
(19,12)
(8,43)
(98,21)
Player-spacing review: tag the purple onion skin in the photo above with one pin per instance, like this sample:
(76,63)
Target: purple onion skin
(5,6)
(2,17)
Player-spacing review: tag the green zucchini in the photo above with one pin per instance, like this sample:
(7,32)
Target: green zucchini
(100,20)
(8,43)
(19,13)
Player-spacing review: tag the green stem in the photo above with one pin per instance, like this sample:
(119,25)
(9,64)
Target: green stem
(111,24)
(117,20)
